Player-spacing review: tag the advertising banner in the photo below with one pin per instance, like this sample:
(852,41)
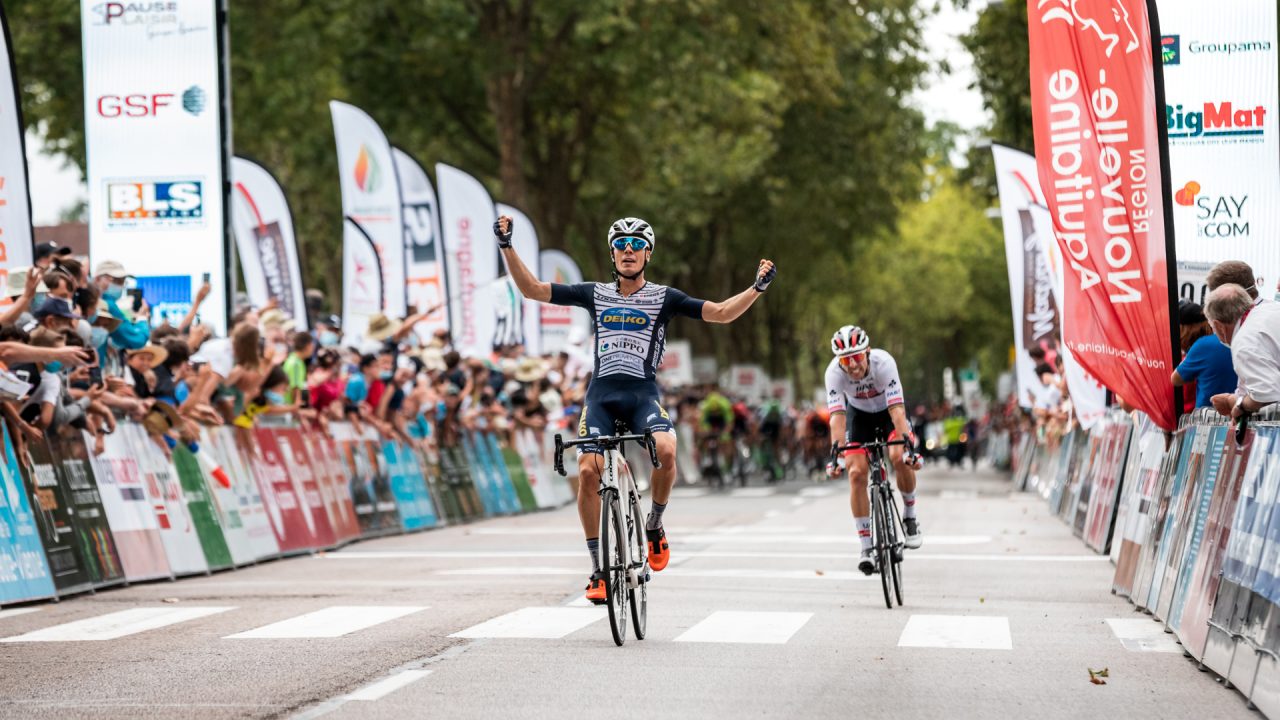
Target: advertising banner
(334,486)
(676,369)
(156,143)
(244,494)
(524,240)
(1220,73)
(362,280)
(164,493)
(1098,148)
(226,503)
(15,201)
(55,521)
(424,259)
(133,523)
(294,451)
(375,504)
(409,488)
(265,243)
(199,504)
(556,320)
(370,200)
(93,534)
(291,519)
(471,259)
(24,570)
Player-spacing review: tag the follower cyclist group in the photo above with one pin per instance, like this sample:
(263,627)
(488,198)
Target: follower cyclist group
(630,314)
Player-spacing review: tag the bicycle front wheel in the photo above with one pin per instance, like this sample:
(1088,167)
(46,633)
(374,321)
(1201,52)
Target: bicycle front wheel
(639,595)
(883,550)
(896,546)
(613,545)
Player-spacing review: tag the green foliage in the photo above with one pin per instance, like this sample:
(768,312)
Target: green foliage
(998,43)
(741,128)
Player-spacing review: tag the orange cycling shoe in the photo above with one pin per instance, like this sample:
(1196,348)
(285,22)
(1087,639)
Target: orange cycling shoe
(595,589)
(659,550)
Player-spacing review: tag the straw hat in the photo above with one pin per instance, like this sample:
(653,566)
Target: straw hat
(157,352)
(275,317)
(530,370)
(18,283)
(381,327)
(105,319)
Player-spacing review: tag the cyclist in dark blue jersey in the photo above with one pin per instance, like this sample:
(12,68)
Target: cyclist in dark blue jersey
(631,317)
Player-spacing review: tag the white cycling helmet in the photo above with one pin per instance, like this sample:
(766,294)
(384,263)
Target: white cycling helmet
(631,227)
(848,340)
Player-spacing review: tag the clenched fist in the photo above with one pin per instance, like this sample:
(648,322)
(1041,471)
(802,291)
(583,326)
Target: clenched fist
(765,275)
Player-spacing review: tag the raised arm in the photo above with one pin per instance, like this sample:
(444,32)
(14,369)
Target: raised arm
(529,285)
(729,310)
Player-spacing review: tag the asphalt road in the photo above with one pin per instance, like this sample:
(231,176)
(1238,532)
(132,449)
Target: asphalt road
(762,614)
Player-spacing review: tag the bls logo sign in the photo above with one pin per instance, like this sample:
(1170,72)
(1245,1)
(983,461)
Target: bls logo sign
(624,319)
(155,200)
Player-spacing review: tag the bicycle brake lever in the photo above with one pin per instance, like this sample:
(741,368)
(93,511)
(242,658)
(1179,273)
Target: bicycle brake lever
(652,447)
(558,462)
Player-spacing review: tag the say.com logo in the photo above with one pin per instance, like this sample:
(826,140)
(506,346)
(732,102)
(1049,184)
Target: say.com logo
(624,319)
(160,200)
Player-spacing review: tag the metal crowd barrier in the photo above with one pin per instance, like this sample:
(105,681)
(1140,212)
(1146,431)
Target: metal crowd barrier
(72,521)
(1192,523)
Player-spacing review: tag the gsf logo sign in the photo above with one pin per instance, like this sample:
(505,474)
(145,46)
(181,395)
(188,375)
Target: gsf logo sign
(155,200)
(140,105)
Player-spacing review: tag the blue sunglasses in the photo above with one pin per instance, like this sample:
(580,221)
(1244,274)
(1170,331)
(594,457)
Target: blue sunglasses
(635,243)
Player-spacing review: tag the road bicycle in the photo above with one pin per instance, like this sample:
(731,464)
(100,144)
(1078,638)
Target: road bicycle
(886,523)
(623,546)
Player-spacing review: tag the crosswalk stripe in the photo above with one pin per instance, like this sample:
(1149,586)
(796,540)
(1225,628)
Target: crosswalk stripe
(750,492)
(117,624)
(14,612)
(547,623)
(386,686)
(689,492)
(1143,635)
(330,622)
(956,632)
(735,626)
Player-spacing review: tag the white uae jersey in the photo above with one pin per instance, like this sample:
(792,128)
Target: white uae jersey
(876,392)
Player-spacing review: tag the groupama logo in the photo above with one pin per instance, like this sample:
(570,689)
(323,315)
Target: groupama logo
(1171,49)
(367,173)
(624,319)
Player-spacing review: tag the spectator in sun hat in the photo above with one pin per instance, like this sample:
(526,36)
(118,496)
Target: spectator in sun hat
(56,314)
(46,252)
(275,327)
(26,290)
(133,333)
(1207,362)
(382,328)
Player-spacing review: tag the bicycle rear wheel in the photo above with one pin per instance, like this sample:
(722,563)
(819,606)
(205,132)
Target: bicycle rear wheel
(613,546)
(639,595)
(884,552)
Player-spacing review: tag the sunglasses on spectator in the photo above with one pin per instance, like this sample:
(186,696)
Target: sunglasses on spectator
(851,360)
(635,243)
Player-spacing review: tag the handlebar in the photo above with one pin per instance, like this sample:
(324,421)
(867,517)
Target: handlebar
(607,442)
(837,448)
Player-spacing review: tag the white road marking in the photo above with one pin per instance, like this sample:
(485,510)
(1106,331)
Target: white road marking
(386,686)
(550,623)
(1143,635)
(744,573)
(849,538)
(14,612)
(689,492)
(330,622)
(684,555)
(797,502)
(817,492)
(750,492)
(957,632)
(418,554)
(958,494)
(767,628)
(117,624)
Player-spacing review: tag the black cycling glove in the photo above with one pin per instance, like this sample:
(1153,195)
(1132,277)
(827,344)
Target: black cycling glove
(504,238)
(762,281)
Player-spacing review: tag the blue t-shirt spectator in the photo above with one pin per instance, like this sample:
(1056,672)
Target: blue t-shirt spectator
(358,389)
(1208,364)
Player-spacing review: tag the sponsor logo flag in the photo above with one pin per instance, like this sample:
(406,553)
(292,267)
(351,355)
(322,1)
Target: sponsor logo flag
(15,206)
(267,248)
(558,320)
(471,260)
(524,240)
(424,261)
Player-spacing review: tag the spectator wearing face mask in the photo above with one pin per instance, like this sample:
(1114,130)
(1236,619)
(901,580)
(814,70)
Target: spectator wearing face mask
(132,333)
(329,331)
(1207,362)
(1252,331)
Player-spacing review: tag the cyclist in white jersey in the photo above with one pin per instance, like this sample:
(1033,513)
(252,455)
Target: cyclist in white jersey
(864,395)
(631,318)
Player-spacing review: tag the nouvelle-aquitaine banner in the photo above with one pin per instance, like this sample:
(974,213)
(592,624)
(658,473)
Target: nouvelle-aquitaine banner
(471,259)
(1098,151)
(267,248)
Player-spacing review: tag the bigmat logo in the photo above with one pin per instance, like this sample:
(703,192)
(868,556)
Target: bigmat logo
(624,319)
(167,200)
(1211,120)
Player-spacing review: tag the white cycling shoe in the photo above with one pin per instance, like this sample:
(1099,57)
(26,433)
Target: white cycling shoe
(912,537)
